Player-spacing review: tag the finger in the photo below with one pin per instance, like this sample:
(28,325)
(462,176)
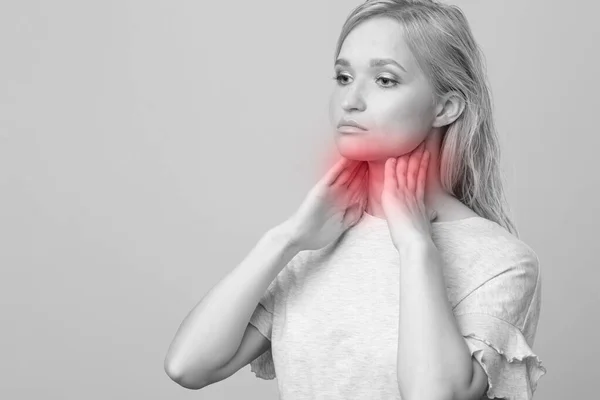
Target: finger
(389,175)
(364,198)
(336,170)
(422,177)
(413,167)
(401,172)
(343,191)
(358,177)
(355,173)
(352,214)
(363,192)
(357,186)
(347,173)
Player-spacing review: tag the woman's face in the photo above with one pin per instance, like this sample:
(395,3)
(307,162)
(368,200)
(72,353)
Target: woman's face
(393,103)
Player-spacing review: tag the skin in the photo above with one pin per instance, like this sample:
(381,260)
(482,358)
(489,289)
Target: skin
(397,107)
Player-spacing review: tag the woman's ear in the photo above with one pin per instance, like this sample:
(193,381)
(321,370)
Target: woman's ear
(448,109)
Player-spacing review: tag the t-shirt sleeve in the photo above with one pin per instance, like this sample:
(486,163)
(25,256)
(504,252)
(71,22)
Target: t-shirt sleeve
(498,321)
(262,319)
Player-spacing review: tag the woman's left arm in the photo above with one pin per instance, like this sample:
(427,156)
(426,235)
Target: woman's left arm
(434,361)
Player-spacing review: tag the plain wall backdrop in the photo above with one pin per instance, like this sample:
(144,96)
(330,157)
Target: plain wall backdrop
(146,146)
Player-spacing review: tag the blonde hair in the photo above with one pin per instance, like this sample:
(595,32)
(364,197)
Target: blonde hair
(442,42)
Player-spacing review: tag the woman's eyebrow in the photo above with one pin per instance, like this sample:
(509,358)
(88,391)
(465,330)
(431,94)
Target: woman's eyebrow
(376,62)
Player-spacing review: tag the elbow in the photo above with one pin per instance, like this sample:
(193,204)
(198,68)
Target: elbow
(178,375)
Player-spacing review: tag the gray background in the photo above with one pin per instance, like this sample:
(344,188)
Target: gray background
(145,147)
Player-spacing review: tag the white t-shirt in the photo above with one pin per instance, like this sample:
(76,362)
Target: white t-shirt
(332,314)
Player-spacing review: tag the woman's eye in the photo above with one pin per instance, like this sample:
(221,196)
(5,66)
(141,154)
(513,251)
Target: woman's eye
(387,82)
(339,77)
(382,78)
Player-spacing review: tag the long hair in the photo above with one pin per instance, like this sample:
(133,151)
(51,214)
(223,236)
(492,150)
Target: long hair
(442,43)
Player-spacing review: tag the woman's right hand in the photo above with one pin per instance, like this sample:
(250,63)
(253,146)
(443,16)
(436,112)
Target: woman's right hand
(333,205)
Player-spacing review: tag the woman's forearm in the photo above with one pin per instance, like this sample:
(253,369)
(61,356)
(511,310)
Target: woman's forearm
(434,361)
(213,330)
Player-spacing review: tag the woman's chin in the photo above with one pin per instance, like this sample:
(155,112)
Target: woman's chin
(359,150)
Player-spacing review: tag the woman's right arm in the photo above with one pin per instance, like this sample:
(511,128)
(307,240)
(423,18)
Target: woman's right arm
(211,333)
(205,348)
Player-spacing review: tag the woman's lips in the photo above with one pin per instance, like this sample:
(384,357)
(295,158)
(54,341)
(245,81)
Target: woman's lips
(350,129)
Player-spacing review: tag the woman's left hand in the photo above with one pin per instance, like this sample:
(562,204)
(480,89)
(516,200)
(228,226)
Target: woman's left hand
(403,198)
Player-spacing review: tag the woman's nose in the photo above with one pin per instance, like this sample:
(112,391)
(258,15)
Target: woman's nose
(353,100)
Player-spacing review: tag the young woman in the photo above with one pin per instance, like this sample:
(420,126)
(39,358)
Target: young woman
(401,275)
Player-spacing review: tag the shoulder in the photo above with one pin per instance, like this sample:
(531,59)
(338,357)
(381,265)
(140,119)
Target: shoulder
(482,256)
(462,231)
(479,237)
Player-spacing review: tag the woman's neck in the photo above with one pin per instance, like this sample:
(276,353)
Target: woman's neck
(436,198)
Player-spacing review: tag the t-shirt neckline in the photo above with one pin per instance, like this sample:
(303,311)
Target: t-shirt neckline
(369,219)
